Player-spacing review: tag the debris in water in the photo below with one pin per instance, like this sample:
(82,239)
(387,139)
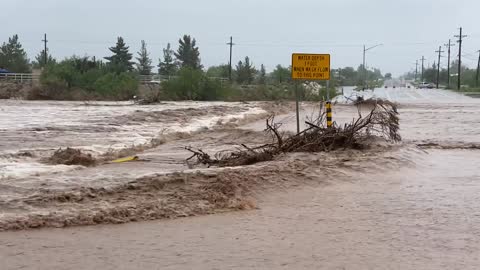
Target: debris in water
(71,156)
(125,159)
(381,121)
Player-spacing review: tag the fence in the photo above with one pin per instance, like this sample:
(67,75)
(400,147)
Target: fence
(19,77)
(143,79)
(157,79)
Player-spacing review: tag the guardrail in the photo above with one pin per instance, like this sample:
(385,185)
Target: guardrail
(19,77)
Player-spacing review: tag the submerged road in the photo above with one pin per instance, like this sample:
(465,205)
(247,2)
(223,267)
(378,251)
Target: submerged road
(423,214)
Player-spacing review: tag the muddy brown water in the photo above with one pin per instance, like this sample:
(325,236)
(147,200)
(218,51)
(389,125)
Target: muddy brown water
(408,206)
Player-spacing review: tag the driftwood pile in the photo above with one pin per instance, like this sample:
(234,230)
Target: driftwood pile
(71,156)
(382,121)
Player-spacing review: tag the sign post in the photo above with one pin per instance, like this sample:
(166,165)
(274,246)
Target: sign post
(297,107)
(309,67)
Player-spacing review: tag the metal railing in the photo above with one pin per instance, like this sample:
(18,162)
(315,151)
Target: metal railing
(156,79)
(19,77)
(143,79)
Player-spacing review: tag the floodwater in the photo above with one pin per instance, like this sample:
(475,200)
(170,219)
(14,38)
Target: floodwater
(413,205)
(31,130)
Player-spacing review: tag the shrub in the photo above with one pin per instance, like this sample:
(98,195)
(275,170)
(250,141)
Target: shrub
(119,86)
(80,75)
(193,84)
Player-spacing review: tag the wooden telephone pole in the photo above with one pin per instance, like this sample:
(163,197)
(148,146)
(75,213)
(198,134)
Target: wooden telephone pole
(460,39)
(438,64)
(230,62)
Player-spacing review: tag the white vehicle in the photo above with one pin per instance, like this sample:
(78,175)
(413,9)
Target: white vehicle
(424,85)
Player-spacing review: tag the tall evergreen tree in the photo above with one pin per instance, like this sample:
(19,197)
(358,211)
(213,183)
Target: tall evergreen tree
(188,54)
(167,67)
(245,71)
(40,59)
(144,65)
(120,60)
(262,79)
(13,57)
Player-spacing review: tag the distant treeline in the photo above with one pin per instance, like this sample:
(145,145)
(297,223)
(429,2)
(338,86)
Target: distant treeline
(430,75)
(116,76)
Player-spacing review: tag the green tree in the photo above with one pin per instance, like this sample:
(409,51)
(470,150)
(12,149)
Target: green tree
(262,77)
(120,60)
(281,74)
(167,67)
(13,57)
(188,54)
(348,76)
(186,85)
(245,71)
(220,71)
(121,86)
(39,61)
(388,76)
(144,65)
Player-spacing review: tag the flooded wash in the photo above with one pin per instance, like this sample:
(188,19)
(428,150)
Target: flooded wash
(408,205)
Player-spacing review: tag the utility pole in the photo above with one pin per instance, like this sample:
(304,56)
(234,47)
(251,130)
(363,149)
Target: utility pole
(478,67)
(364,69)
(460,37)
(45,55)
(230,62)
(448,65)
(416,70)
(438,64)
(423,68)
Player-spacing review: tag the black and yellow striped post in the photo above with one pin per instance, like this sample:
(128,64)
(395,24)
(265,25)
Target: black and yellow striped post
(328,107)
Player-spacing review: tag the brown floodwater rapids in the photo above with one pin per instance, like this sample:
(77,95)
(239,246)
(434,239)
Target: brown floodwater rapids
(411,205)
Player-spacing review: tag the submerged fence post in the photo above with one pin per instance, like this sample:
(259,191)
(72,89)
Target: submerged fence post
(328,107)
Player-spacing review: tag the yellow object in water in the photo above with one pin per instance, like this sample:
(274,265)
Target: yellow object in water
(125,159)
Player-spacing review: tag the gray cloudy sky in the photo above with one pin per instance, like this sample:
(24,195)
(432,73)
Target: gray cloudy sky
(266,30)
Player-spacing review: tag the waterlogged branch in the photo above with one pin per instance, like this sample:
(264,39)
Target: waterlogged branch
(382,121)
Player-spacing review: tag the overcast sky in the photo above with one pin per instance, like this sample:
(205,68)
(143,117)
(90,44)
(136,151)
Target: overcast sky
(267,31)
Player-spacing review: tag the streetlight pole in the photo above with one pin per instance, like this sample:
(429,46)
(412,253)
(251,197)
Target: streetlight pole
(364,67)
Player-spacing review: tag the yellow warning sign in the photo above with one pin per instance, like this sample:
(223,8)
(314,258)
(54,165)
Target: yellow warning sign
(310,66)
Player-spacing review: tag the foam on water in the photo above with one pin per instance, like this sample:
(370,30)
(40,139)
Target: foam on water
(17,169)
(40,127)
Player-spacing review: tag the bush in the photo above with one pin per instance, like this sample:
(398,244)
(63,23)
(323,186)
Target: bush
(193,84)
(121,86)
(72,76)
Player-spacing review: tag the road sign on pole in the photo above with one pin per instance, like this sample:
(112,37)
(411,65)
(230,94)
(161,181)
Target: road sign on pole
(312,67)
(309,67)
